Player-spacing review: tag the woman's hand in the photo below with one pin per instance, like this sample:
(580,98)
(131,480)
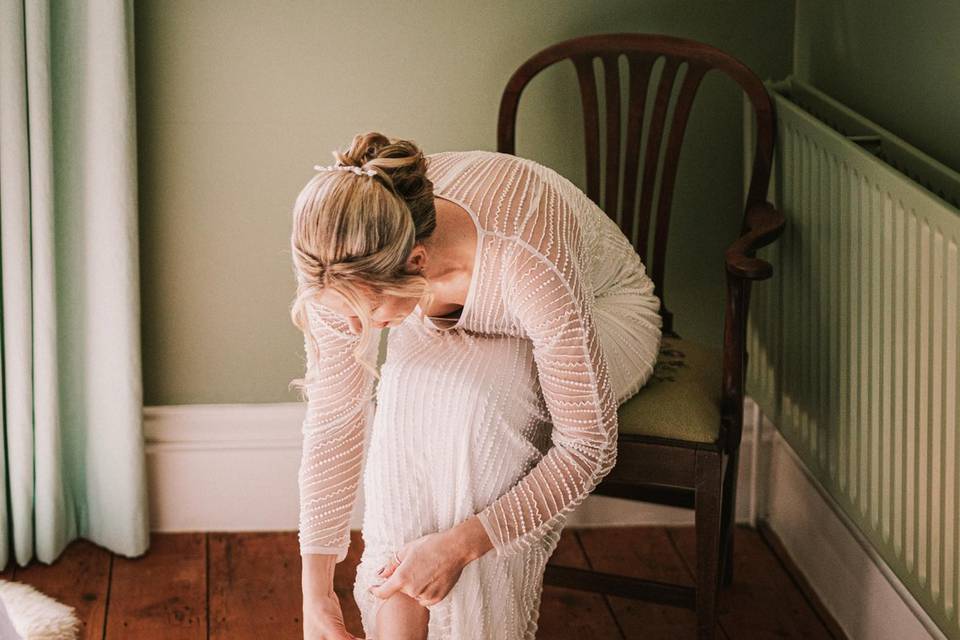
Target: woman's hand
(323,619)
(429,568)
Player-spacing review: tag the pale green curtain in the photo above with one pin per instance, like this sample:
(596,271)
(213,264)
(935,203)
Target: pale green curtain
(73,463)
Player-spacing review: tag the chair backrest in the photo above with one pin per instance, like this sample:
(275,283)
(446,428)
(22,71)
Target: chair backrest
(642,52)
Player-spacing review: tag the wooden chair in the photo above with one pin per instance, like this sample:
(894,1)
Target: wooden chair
(680,434)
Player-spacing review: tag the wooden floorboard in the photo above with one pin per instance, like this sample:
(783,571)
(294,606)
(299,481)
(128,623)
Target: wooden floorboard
(255,587)
(569,613)
(642,552)
(80,578)
(162,594)
(762,602)
(7,573)
(247,585)
(774,542)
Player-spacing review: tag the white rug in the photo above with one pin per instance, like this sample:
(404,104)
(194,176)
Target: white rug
(28,614)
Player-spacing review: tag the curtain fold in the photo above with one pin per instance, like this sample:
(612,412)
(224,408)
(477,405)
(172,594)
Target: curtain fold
(73,461)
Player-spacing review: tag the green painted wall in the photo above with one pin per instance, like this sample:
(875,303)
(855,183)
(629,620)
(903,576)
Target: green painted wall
(897,63)
(237,100)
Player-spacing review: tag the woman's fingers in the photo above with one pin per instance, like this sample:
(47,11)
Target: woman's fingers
(396,583)
(387,570)
(392,563)
(388,588)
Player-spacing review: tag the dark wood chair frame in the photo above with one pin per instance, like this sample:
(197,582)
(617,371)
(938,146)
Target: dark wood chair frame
(698,476)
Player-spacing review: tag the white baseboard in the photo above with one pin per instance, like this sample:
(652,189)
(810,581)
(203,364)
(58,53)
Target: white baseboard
(234,468)
(853,582)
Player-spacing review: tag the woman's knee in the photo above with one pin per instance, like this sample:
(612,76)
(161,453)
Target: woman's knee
(401,618)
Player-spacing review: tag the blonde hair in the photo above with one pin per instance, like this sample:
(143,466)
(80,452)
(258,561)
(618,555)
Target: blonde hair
(353,232)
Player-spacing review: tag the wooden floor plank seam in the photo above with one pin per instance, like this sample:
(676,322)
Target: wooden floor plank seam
(206,552)
(606,600)
(106,598)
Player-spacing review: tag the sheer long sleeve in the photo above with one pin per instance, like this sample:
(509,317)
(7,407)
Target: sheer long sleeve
(546,289)
(339,400)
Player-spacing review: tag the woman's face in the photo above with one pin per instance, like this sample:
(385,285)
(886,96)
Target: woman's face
(385,310)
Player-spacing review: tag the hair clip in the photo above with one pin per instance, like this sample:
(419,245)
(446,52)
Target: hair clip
(343,167)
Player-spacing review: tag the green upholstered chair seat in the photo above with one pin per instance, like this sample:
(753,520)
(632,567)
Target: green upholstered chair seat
(681,400)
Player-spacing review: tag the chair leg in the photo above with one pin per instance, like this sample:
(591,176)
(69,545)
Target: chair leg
(728,518)
(707,518)
(726,573)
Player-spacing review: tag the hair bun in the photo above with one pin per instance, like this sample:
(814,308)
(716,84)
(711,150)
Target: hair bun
(400,162)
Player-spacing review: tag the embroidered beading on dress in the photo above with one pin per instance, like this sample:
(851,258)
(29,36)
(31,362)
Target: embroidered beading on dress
(510,416)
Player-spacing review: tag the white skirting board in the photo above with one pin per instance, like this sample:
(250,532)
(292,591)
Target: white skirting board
(234,468)
(852,581)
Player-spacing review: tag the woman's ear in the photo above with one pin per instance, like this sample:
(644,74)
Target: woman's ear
(417,259)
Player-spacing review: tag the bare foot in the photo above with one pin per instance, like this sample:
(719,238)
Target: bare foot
(401,618)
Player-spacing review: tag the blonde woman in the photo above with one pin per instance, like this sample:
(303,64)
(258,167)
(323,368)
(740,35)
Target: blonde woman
(519,318)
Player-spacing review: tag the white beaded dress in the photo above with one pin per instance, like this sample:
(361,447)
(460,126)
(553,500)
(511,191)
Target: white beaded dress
(508,412)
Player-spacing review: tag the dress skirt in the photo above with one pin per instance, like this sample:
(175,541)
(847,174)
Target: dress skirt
(460,419)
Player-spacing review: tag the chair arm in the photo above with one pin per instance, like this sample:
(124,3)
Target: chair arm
(764,225)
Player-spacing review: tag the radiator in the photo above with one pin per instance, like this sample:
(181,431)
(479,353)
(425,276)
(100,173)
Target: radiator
(853,345)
